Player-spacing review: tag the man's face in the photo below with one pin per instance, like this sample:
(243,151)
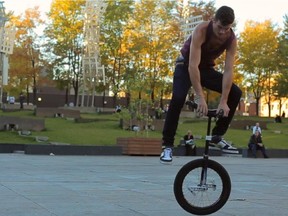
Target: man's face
(220,30)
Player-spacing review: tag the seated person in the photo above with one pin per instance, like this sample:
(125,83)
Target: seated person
(255,143)
(278,119)
(189,144)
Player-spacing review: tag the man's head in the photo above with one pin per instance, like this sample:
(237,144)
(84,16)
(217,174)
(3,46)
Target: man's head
(223,21)
(225,15)
(257,133)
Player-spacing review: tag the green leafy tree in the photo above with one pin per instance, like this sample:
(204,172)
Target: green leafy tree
(25,62)
(257,53)
(65,35)
(149,38)
(281,81)
(112,54)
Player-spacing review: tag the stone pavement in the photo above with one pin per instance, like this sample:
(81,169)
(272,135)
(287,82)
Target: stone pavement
(33,185)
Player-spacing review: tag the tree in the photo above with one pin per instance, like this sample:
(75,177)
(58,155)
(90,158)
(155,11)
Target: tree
(25,62)
(138,46)
(112,54)
(257,53)
(65,35)
(281,87)
(153,35)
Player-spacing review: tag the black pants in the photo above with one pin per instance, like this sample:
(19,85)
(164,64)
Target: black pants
(254,147)
(211,79)
(190,150)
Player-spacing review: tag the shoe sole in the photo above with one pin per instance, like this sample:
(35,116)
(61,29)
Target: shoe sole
(166,162)
(230,151)
(214,148)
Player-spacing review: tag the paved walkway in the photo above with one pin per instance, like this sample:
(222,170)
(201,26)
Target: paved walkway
(130,186)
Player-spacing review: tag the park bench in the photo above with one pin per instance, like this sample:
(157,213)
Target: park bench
(140,145)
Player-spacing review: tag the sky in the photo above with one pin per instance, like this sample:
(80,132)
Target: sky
(257,10)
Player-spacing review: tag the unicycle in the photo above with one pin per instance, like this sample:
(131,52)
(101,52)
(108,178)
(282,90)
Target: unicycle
(202,186)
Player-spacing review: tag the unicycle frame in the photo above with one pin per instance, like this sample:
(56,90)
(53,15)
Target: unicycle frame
(212,113)
(207,186)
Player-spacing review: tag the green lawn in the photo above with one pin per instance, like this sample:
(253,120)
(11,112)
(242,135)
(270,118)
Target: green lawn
(104,130)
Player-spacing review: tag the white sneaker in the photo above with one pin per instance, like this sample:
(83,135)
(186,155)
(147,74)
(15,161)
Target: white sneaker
(166,155)
(224,145)
(228,148)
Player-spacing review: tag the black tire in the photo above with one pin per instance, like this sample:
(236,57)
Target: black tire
(206,199)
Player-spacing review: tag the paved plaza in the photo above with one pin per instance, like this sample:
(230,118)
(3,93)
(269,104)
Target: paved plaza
(34,185)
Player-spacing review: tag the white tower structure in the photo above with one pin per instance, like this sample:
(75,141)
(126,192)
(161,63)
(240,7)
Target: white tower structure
(7,36)
(188,23)
(93,71)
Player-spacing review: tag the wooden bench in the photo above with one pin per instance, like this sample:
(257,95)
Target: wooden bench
(140,145)
(56,112)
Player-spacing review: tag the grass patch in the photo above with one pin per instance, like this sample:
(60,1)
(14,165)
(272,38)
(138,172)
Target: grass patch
(103,129)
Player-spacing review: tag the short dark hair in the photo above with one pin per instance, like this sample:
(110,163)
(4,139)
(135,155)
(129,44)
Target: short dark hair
(225,15)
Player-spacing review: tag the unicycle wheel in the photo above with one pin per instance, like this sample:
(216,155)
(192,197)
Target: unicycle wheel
(202,198)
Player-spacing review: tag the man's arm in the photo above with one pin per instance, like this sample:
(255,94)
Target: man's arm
(198,37)
(259,141)
(227,77)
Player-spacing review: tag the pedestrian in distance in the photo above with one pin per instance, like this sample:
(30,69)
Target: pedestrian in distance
(257,128)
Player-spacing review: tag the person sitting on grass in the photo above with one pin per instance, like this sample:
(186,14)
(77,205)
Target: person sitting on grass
(255,143)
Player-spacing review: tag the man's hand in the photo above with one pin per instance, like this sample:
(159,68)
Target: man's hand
(202,107)
(260,144)
(225,109)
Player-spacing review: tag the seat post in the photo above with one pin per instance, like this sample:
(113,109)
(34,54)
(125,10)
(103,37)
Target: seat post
(208,135)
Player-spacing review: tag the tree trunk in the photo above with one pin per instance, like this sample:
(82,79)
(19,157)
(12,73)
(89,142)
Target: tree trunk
(257,106)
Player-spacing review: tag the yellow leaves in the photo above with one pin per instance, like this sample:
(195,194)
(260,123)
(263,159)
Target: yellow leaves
(66,20)
(26,23)
(258,42)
